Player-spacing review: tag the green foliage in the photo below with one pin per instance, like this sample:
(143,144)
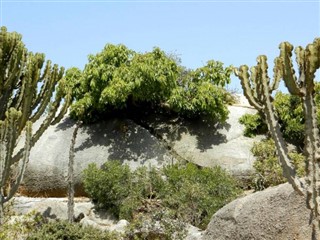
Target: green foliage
(156,224)
(254,124)
(118,79)
(195,193)
(186,192)
(267,167)
(18,227)
(108,186)
(69,231)
(200,92)
(290,117)
(33,226)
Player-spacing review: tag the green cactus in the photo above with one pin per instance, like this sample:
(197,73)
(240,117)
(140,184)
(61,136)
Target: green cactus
(258,90)
(27,86)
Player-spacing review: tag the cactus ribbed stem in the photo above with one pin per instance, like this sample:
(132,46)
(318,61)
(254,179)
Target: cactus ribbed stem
(22,103)
(308,61)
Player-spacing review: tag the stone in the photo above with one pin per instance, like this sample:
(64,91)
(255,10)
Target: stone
(144,141)
(114,139)
(56,208)
(275,213)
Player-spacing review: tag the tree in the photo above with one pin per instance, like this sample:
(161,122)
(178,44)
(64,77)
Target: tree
(27,85)
(258,90)
(119,80)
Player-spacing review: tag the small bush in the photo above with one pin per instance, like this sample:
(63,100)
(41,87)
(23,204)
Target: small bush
(267,166)
(18,227)
(254,125)
(189,193)
(69,231)
(195,193)
(108,186)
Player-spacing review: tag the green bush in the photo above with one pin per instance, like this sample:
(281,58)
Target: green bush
(33,226)
(69,231)
(290,117)
(108,186)
(267,166)
(119,80)
(195,193)
(187,193)
(253,124)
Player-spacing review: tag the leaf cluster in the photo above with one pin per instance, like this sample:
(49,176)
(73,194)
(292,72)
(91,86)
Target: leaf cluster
(268,171)
(118,79)
(185,192)
(69,231)
(289,111)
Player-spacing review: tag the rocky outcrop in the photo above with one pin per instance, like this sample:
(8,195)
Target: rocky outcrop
(275,213)
(56,208)
(115,139)
(144,140)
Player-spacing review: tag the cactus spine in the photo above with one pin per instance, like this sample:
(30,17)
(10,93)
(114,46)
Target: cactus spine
(258,90)
(22,103)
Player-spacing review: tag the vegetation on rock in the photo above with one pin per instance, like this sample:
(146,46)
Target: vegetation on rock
(183,192)
(118,79)
(268,170)
(289,111)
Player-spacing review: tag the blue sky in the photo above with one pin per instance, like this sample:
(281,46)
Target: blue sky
(233,32)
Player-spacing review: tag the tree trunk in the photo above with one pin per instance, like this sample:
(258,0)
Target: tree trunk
(71,175)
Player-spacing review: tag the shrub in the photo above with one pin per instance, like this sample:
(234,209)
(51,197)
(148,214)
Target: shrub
(108,186)
(69,231)
(120,80)
(195,193)
(186,192)
(267,167)
(253,124)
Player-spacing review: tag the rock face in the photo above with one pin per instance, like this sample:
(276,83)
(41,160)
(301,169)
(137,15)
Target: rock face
(275,213)
(209,145)
(152,141)
(97,143)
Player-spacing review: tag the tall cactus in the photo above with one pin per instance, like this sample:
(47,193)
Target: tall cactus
(27,86)
(258,90)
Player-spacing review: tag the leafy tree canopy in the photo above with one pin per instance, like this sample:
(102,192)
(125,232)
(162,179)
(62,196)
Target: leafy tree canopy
(119,79)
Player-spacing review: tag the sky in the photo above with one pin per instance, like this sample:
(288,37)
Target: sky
(233,32)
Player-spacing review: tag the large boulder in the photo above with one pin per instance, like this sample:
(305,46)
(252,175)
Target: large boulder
(275,213)
(208,144)
(115,139)
(146,140)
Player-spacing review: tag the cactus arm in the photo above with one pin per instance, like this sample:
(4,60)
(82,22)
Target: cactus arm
(24,161)
(274,128)
(8,137)
(44,86)
(243,74)
(45,124)
(11,123)
(308,61)
(56,76)
(63,110)
(277,74)
(21,103)
(288,73)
